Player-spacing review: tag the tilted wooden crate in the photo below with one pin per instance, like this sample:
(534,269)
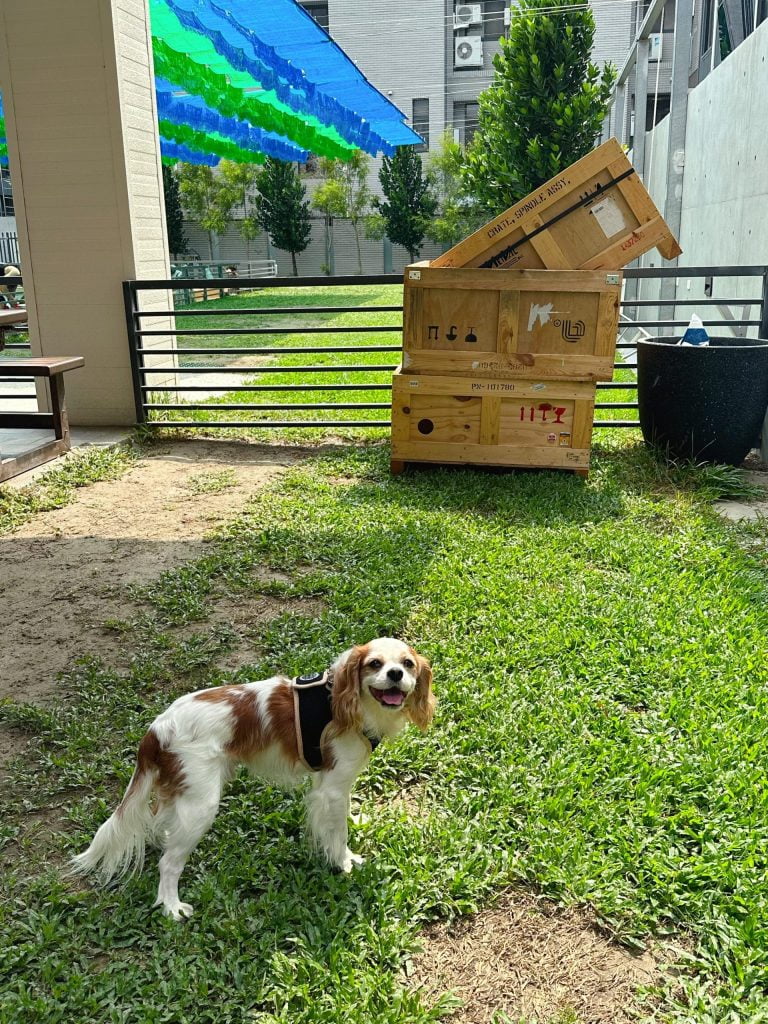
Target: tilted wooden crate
(510,323)
(595,215)
(526,423)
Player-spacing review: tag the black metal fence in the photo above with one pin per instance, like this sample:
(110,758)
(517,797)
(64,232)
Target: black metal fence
(9,248)
(156,397)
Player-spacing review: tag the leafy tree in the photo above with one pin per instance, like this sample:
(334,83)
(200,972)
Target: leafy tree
(408,203)
(174,215)
(330,199)
(457,216)
(545,107)
(345,193)
(206,199)
(239,180)
(282,208)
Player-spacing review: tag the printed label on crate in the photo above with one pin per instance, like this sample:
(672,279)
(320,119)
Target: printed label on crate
(486,386)
(565,440)
(571,329)
(609,217)
(498,365)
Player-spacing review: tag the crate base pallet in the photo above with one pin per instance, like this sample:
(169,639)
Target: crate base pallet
(473,421)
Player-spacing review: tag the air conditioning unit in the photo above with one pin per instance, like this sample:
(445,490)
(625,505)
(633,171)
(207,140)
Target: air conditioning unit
(465,15)
(468,52)
(654,46)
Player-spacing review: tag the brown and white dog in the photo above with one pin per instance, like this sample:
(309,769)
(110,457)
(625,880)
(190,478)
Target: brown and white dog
(193,748)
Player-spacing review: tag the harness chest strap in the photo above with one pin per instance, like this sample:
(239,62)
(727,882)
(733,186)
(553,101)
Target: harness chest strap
(313,713)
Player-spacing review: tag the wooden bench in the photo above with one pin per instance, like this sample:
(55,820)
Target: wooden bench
(52,367)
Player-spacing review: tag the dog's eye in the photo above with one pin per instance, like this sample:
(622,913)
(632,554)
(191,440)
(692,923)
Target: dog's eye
(408,663)
(374,663)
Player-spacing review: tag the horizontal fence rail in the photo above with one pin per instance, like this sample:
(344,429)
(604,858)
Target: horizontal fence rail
(166,377)
(15,342)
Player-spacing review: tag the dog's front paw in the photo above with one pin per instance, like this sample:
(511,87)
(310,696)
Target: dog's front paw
(351,860)
(178,911)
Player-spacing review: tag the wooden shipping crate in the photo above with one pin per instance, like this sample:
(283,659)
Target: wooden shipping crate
(510,323)
(533,423)
(595,215)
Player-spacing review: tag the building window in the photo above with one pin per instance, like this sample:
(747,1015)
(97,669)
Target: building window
(465,120)
(705,42)
(724,31)
(318,9)
(420,123)
(762,12)
(747,16)
(493,19)
(660,108)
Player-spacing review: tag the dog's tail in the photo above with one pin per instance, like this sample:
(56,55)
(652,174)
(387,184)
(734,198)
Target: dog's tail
(119,844)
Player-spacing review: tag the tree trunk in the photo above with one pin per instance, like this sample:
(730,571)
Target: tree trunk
(293,260)
(331,253)
(356,229)
(327,244)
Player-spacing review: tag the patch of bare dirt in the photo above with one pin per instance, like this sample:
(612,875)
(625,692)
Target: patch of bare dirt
(246,614)
(67,571)
(532,961)
(12,742)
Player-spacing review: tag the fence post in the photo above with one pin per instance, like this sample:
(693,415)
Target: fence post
(764,334)
(137,359)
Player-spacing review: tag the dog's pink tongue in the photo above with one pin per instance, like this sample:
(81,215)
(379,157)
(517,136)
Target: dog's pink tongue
(392,697)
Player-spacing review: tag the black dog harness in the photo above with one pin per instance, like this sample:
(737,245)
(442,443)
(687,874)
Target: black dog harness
(313,714)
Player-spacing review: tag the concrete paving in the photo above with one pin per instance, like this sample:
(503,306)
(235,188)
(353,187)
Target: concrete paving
(16,442)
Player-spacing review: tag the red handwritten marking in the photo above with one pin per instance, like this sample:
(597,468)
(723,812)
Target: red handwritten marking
(630,242)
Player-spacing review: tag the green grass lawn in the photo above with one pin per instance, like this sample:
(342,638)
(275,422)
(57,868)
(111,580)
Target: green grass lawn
(600,657)
(365,295)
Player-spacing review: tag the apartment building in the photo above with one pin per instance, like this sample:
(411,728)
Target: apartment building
(433,58)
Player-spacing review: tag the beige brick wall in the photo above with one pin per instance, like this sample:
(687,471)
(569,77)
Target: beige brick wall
(77,85)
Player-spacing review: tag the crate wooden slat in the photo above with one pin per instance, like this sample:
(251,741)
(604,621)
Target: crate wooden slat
(475,421)
(595,215)
(510,323)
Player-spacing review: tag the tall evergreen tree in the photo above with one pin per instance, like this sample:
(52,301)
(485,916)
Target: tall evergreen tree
(409,203)
(456,216)
(545,107)
(282,208)
(174,215)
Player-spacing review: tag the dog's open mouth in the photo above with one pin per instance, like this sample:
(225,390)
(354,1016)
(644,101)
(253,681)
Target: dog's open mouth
(392,697)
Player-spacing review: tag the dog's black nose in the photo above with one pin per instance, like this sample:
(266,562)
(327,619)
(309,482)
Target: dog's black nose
(395,674)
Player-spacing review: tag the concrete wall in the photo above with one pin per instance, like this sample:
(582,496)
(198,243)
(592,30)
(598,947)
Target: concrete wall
(725,185)
(310,262)
(80,112)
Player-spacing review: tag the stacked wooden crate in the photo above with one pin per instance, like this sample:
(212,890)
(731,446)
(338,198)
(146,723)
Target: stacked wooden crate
(506,334)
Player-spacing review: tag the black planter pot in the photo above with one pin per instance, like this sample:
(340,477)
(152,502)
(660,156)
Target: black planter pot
(705,403)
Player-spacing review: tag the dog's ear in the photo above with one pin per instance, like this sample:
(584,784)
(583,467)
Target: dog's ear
(421,706)
(345,695)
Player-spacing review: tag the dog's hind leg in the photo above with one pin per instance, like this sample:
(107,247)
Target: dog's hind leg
(182,824)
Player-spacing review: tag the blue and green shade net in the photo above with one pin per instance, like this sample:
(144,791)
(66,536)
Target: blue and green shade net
(256,79)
